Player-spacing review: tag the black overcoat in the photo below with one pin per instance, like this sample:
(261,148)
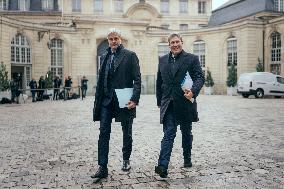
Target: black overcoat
(126,75)
(168,86)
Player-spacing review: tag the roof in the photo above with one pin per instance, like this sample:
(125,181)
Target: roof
(237,9)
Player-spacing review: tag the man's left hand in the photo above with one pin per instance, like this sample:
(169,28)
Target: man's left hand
(131,105)
(188,94)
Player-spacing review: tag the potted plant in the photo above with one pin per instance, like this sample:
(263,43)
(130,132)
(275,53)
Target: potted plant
(4,82)
(209,83)
(232,81)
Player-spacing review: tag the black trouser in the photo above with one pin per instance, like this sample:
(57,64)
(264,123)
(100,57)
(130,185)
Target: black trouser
(55,94)
(33,94)
(105,130)
(169,129)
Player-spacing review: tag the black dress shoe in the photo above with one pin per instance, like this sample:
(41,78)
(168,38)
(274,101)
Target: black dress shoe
(101,173)
(187,163)
(162,171)
(126,165)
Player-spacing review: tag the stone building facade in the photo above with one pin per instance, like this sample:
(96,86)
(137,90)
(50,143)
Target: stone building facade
(68,36)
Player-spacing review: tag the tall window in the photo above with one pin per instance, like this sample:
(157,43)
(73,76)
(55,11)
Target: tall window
(164,6)
(275,53)
(199,50)
(4,4)
(201,7)
(98,6)
(232,51)
(163,49)
(47,5)
(20,50)
(57,57)
(24,5)
(279,5)
(76,5)
(183,27)
(183,6)
(118,5)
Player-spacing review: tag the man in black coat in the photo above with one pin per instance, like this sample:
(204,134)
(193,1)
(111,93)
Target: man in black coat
(33,87)
(119,69)
(177,104)
(56,86)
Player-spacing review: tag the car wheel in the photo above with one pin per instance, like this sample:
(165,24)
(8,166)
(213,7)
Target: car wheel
(277,96)
(245,95)
(259,93)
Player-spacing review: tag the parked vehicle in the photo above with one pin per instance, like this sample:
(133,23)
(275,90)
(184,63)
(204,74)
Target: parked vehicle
(260,84)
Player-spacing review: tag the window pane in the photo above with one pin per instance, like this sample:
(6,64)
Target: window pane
(164,6)
(201,7)
(183,6)
(275,47)
(76,5)
(98,5)
(163,48)
(199,50)
(118,5)
(232,51)
(183,27)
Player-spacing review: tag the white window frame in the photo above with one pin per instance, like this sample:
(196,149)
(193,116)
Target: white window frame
(183,27)
(165,6)
(118,5)
(201,7)
(24,5)
(98,6)
(232,55)
(199,50)
(183,6)
(76,5)
(279,5)
(276,48)
(20,50)
(47,5)
(4,4)
(57,57)
(163,49)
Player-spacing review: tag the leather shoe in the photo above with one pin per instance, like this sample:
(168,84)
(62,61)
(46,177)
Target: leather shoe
(102,172)
(187,163)
(162,171)
(126,165)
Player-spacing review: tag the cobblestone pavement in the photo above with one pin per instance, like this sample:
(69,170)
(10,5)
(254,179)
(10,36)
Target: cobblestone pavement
(238,143)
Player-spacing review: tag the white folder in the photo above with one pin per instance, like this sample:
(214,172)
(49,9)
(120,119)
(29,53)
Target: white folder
(124,96)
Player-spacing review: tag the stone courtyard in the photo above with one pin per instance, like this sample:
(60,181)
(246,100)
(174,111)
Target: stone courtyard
(238,143)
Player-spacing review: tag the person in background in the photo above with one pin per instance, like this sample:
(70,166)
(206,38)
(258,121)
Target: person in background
(56,86)
(41,88)
(84,86)
(33,87)
(68,86)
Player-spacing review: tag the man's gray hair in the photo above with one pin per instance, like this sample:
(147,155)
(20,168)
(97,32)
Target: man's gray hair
(114,30)
(172,35)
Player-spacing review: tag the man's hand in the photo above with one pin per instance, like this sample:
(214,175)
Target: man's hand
(188,94)
(131,105)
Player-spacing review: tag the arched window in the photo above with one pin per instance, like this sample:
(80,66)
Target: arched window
(199,50)
(57,57)
(24,5)
(20,50)
(275,66)
(163,49)
(4,4)
(232,51)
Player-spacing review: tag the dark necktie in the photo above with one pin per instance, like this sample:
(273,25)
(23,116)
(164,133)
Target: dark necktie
(173,62)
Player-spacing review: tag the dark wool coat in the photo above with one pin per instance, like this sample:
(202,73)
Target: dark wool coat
(126,75)
(168,86)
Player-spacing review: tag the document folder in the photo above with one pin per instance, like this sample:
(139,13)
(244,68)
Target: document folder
(123,96)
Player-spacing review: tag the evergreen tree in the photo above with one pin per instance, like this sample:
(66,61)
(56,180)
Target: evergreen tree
(232,76)
(49,80)
(4,81)
(209,82)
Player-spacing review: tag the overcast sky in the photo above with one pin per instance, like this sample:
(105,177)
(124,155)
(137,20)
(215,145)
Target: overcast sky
(218,3)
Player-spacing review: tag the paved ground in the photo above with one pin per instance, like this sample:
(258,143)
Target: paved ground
(239,143)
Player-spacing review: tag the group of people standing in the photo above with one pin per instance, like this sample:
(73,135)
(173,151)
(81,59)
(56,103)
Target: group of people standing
(38,88)
(120,69)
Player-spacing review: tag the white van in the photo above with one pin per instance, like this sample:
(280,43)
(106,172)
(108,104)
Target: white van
(260,84)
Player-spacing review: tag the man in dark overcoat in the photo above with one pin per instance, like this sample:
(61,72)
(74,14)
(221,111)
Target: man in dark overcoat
(119,69)
(177,105)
